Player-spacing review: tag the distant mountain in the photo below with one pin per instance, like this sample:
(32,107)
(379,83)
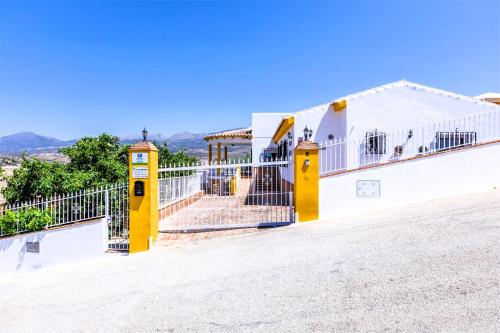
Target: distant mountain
(129,139)
(183,140)
(31,142)
(183,136)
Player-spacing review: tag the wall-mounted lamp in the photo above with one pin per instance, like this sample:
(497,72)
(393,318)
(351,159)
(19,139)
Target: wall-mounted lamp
(290,135)
(410,134)
(307,133)
(330,137)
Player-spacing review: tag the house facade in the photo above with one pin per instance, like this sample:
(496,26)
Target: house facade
(378,123)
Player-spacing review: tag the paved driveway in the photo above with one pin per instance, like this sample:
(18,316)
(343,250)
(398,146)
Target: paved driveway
(427,267)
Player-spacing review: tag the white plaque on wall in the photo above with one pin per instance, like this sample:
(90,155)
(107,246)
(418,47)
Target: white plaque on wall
(140,158)
(368,188)
(139,172)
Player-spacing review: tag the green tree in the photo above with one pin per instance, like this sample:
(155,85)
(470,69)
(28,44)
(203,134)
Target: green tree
(94,161)
(104,157)
(35,178)
(166,157)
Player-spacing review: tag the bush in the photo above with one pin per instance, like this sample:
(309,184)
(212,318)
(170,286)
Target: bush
(36,219)
(8,223)
(30,219)
(35,178)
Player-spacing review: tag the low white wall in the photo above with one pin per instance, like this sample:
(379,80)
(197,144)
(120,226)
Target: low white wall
(443,175)
(65,244)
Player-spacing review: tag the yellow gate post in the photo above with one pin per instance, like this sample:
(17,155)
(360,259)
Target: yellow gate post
(143,191)
(306,184)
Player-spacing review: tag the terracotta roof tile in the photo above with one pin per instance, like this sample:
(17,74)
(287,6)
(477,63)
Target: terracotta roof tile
(143,145)
(244,133)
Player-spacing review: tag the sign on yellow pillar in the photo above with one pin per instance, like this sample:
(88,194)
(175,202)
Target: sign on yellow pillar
(306,184)
(143,191)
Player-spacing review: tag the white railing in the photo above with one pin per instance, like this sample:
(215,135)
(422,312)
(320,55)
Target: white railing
(173,189)
(175,170)
(378,147)
(110,201)
(225,196)
(183,181)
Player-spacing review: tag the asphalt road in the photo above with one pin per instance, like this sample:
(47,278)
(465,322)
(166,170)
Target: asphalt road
(428,267)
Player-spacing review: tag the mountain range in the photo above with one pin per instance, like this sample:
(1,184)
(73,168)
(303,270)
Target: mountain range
(33,143)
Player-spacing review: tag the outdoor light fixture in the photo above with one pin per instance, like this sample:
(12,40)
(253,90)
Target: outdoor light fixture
(410,134)
(307,133)
(144,134)
(289,135)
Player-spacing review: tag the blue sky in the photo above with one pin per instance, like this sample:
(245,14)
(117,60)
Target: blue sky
(70,69)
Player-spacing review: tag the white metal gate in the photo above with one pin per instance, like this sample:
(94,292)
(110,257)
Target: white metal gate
(226,196)
(117,214)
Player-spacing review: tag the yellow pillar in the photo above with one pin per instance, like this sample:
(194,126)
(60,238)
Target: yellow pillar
(306,183)
(218,156)
(143,191)
(209,154)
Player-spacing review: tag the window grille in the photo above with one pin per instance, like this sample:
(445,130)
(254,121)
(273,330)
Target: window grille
(269,154)
(447,140)
(375,142)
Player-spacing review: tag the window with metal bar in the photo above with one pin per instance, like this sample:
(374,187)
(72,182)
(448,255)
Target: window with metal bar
(375,143)
(448,140)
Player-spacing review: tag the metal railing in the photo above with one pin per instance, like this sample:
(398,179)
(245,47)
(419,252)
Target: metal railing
(180,181)
(177,188)
(378,147)
(118,216)
(41,214)
(227,195)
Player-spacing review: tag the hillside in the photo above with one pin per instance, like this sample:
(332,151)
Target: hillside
(31,143)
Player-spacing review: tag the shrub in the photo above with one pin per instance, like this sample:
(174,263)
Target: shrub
(36,219)
(30,219)
(8,222)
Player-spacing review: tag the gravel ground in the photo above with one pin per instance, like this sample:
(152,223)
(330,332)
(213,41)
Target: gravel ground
(425,267)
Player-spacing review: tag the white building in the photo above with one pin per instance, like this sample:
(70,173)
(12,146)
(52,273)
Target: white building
(394,113)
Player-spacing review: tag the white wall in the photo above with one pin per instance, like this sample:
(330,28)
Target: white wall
(394,108)
(391,108)
(404,107)
(323,121)
(264,126)
(449,174)
(65,244)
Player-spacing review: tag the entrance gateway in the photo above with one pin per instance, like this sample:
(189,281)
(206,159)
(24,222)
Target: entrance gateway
(225,196)
(218,196)
(206,197)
